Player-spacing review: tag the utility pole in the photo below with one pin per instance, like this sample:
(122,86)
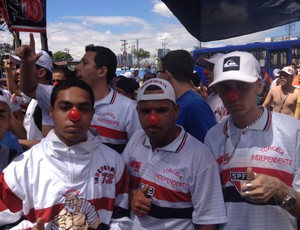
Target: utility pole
(137,49)
(164,44)
(124,45)
(289,28)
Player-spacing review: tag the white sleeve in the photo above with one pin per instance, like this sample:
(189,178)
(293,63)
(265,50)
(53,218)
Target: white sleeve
(133,122)
(43,94)
(123,223)
(25,224)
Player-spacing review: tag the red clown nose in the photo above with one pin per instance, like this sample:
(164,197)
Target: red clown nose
(231,95)
(74,115)
(206,72)
(153,119)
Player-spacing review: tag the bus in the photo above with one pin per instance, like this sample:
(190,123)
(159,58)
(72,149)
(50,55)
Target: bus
(270,55)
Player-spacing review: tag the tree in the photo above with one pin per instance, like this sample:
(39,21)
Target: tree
(141,54)
(62,56)
(5,48)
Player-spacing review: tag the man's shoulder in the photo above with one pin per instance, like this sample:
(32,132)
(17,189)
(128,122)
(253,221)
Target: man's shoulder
(217,129)
(297,90)
(121,100)
(191,99)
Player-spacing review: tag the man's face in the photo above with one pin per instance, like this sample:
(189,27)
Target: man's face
(57,77)
(166,111)
(238,97)
(72,132)
(209,76)
(87,70)
(285,79)
(5,117)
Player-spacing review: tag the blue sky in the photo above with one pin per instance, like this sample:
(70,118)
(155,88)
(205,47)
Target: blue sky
(73,24)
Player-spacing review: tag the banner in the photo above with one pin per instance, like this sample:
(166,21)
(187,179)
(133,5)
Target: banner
(24,15)
(209,20)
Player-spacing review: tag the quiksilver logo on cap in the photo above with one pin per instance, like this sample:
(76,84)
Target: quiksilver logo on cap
(231,63)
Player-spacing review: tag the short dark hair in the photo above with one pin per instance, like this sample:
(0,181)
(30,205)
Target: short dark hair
(104,57)
(196,78)
(68,74)
(180,63)
(129,85)
(72,83)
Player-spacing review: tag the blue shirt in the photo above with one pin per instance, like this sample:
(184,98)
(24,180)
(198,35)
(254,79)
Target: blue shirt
(195,115)
(9,149)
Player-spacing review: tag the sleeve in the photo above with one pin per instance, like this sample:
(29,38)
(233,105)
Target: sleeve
(296,180)
(207,197)
(43,93)
(133,120)
(16,145)
(120,218)
(10,205)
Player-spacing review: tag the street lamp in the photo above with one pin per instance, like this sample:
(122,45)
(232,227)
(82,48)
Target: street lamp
(67,52)
(57,31)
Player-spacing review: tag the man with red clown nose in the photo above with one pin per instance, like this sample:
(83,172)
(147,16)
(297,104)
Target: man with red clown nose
(257,151)
(82,183)
(174,182)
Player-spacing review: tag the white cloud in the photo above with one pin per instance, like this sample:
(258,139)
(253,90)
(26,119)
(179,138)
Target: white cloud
(161,9)
(108,21)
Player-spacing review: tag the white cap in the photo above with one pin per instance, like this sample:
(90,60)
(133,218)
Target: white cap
(127,74)
(275,72)
(289,70)
(165,86)
(236,66)
(210,62)
(44,61)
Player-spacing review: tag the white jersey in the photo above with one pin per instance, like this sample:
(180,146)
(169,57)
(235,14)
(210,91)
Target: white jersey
(271,146)
(72,186)
(32,131)
(217,106)
(115,117)
(183,180)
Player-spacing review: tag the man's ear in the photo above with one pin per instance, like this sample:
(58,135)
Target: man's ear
(51,111)
(41,72)
(102,71)
(177,109)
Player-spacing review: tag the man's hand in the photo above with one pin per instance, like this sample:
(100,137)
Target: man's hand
(27,52)
(260,188)
(140,204)
(39,225)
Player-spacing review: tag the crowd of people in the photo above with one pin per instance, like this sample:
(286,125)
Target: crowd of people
(87,149)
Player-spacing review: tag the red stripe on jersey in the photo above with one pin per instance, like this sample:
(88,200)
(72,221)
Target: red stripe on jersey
(113,97)
(122,185)
(269,120)
(282,175)
(8,200)
(182,142)
(49,213)
(161,193)
(110,133)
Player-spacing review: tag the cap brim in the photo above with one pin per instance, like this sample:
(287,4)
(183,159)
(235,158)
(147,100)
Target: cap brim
(282,71)
(15,59)
(230,77)
(203,62)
